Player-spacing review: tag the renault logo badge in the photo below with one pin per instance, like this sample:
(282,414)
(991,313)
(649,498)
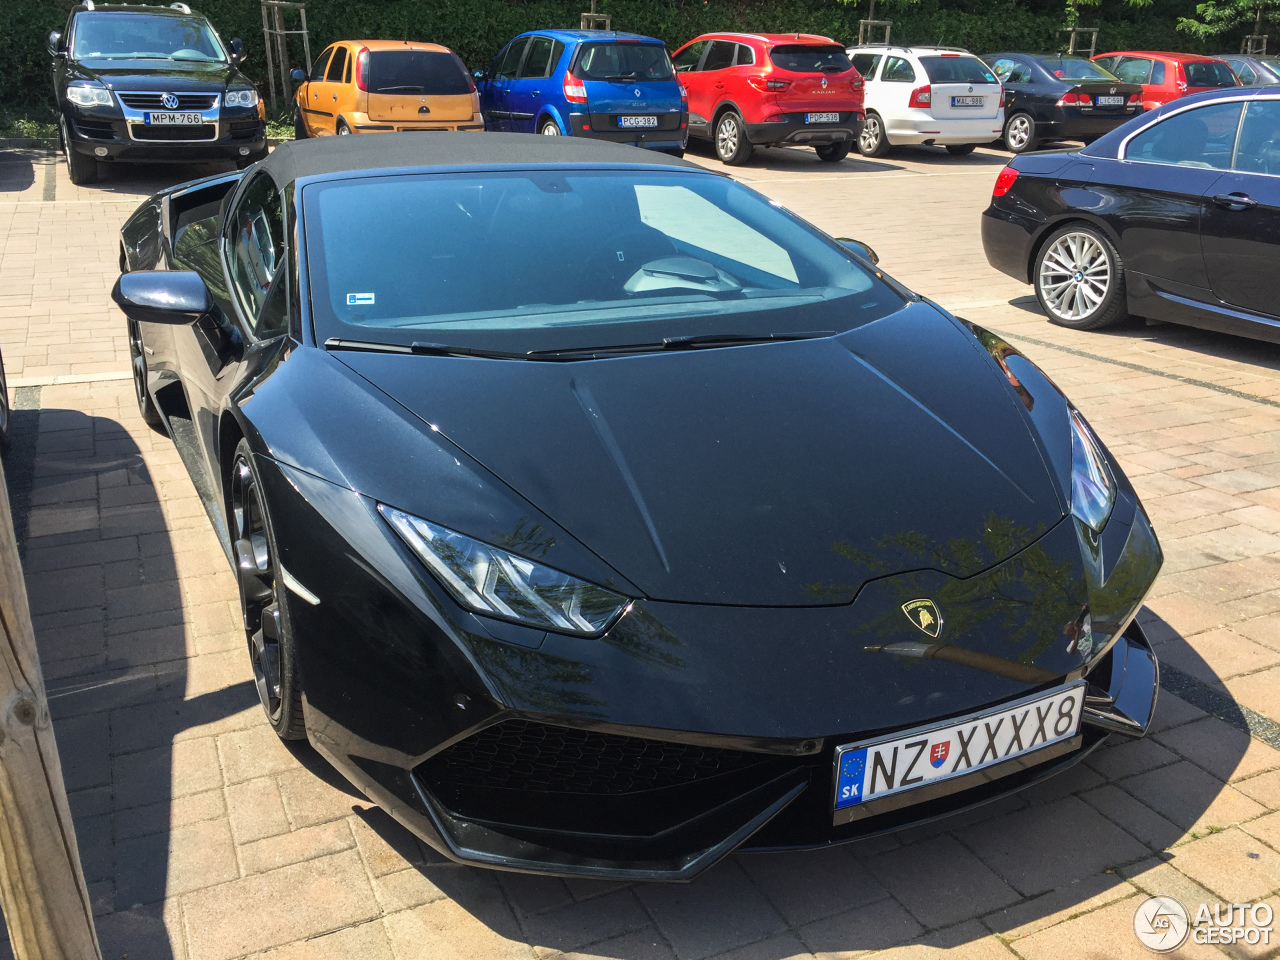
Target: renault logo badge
(924,614)
(170,101)
(638,92)
(824,83)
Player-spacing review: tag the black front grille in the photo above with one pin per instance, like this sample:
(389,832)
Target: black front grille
(244,129)
(155,101)
(528,756)
(204,131)
(95,129)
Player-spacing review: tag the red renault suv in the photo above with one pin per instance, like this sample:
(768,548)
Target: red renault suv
(767,89)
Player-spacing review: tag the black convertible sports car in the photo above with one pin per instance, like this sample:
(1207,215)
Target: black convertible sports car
(595,515)
(1174,216)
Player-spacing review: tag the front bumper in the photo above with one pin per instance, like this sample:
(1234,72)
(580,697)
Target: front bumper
(794,130)
(223,135)
(682,734)
(919,127)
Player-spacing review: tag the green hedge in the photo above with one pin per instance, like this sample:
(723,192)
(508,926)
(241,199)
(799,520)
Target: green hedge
(478,28)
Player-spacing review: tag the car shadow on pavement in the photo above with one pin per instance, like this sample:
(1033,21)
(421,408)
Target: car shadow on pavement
(17,171)
(1010,867)
(142,179)
(788,160)
(123,650)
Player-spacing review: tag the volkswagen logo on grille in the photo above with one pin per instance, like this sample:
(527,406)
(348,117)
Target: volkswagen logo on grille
(170,101)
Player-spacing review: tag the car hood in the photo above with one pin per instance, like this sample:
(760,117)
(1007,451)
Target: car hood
(168,76)
(782,474)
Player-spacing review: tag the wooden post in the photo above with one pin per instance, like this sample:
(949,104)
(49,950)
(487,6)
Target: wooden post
(42,890)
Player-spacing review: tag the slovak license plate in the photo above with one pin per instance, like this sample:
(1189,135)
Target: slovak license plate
(869,772)
(822,118)
(1110,101)
(166,119)
(967,101)
(633,122)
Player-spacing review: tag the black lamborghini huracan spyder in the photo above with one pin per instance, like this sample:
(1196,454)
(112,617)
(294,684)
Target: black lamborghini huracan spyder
(595,515)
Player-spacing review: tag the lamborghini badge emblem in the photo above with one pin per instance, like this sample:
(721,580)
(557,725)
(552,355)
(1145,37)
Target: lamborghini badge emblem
(924,614)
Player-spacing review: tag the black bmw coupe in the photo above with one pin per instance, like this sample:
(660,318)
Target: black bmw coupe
(595,515)
(1173,216)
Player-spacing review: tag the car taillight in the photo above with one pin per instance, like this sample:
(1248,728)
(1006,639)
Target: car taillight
(1135,99)
(362,69)
(764,83)
(1182,86)
(857,83)
(574,91)
(776,118)
(1180,78)
(921,97)
(1004,182)
(1075,100)
(1004,97)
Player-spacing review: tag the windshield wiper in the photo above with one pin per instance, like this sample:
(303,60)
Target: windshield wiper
(419,88)
(420,348)
(719,339)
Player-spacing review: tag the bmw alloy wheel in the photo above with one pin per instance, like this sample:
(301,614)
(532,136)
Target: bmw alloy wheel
(1074,277)
(1018,134)
(260,589)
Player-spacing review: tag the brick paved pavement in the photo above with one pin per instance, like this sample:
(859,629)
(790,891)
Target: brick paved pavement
(205,838)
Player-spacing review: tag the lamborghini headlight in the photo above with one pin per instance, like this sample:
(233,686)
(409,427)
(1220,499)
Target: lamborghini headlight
(1093,488)
(495,583)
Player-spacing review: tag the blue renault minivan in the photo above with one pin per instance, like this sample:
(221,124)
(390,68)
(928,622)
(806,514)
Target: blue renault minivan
(586,83)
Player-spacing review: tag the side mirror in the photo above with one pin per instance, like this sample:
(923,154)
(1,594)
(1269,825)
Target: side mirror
(237,49)
(162,296)
(54,44)
(299,74)
(477,74)
(860,248)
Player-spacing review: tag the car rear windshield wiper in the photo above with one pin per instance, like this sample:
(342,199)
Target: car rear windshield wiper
(628,77)
(416,89)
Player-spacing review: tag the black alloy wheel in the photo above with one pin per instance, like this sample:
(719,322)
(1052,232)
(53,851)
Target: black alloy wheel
(1079,278)
(263,599)
(299,125)
(960,149)
(1020,133)
(138,362)
(834,152)
(732,145)
(6,415)
(872,142)
(80,169)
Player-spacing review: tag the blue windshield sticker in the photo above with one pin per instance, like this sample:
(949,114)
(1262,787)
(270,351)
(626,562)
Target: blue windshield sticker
(355,299)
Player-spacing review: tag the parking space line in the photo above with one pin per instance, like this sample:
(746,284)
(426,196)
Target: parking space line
(51,179)
(58,379)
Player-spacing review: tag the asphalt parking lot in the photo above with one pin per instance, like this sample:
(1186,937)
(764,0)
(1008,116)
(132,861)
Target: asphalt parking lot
(203,837)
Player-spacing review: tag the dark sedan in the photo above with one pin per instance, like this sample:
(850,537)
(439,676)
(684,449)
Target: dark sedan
(1174,216)
(681,529)
(1060,97)
(1253,71)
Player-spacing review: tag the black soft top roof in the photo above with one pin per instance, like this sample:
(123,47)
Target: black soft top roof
(305,158)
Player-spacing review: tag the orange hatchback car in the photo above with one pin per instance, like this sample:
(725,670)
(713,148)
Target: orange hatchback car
(364,86)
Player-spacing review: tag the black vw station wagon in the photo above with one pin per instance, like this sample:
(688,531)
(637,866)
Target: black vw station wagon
(152,84)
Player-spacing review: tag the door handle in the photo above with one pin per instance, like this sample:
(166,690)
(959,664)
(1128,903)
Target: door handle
(719,86)
(535,93)
(335,98)
(1235,201)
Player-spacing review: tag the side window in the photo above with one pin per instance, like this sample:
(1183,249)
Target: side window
(1243,71)
(746,56)
(1157,73)
(336,65)
(537,60)
(866,63)
(1134,70)
(254,244)
(346,74)
(687,59)
(317,68)
(1021,73)
(557,51)
(898,70)
(1205,137)
(509,59)
(1259,148)
(720,55)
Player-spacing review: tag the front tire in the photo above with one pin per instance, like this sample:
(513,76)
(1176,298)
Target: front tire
(264,601)
(80,169)
(138,362)
(549,128)
(1079,279)
(732,145)
(1020,133)
(960,149)
(834,152)
(299,125)
(872,142)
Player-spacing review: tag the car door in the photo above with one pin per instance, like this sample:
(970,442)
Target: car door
(528,91)
(1240,217)
(1022,92)
(718,58)
(1248,77)
(1156,193)
(688,63)
(497,112)
(330,91)
(314,115)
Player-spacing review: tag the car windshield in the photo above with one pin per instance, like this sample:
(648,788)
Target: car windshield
(810,58)
(1209,73)
(112,35)
(568,260)
(627,61)
(956,69)
(431,72)
(1076,70)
